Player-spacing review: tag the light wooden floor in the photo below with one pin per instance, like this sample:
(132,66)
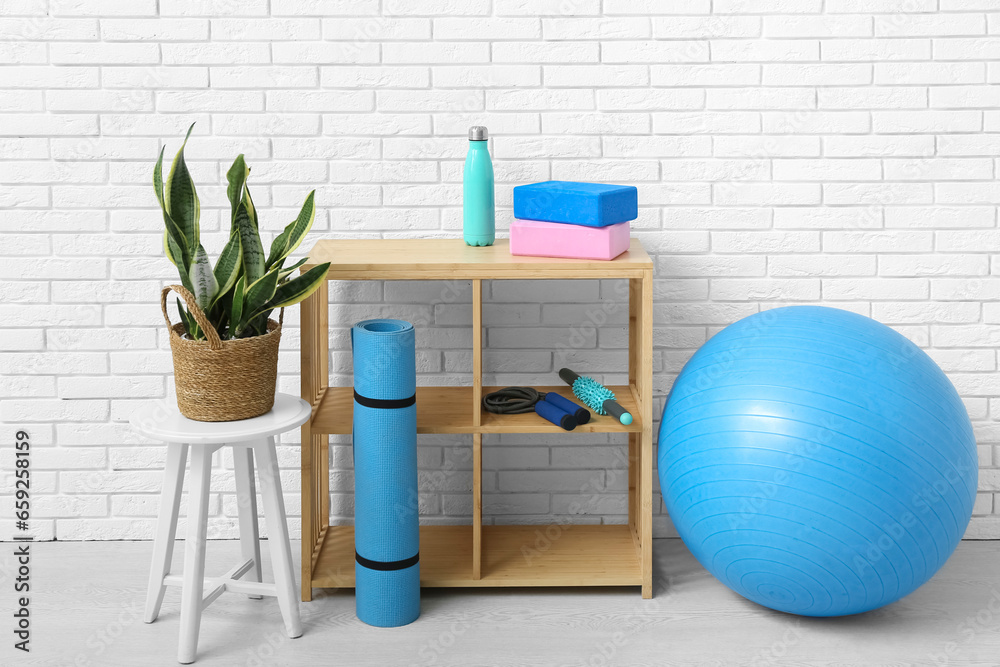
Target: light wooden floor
(88,596)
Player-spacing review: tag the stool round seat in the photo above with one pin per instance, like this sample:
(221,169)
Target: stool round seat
(252,441)
(163,421)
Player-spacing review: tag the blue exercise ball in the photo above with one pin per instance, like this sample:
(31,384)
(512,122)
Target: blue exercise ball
(817,462)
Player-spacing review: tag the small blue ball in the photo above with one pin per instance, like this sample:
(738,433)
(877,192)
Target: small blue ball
(816,461)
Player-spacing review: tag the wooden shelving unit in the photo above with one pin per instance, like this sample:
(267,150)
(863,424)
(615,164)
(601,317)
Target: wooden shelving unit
(478,555)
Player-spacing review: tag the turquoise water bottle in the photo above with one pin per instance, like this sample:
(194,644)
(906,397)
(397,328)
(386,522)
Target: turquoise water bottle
(478,213)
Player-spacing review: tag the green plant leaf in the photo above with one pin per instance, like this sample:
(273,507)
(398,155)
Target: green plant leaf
(237,178)
(185,276)
(248,200)
(218,315)
(257,326)
(227,268)
(203,279)
(252,250)
(182,204)
(236,313)
(298,289)
(258,294)
(177,245)
(174,244)
(286,242)
(277,251)
(183,315)
(172,250)
(185,280)
(284,273)
(158,178)
(190,325)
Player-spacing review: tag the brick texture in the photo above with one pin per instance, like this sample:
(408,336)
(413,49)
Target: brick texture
(837,152)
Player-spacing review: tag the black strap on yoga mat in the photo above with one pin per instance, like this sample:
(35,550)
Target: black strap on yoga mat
(386,403)
(387,566)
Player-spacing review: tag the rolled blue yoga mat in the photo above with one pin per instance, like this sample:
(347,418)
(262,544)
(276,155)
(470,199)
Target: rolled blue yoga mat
(386,529)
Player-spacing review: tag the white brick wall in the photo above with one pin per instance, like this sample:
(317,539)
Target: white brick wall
(785,152)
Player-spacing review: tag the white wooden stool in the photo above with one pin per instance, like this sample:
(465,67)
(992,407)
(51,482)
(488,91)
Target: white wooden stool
(248,437)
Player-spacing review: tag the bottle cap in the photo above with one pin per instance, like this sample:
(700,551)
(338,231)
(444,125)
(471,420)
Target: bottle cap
(477,133)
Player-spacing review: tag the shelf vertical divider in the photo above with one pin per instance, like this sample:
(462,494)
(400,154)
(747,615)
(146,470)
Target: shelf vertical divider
(477,437)
(323,439)
(634,439)
(310,387)
(645,391)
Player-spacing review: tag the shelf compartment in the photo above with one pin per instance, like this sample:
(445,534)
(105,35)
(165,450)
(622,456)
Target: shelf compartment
(512,556)
(529,422)
(449,410)
(445,557)
(439,410)
(560,555)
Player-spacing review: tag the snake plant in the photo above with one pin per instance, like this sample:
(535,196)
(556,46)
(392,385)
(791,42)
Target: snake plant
(245,285)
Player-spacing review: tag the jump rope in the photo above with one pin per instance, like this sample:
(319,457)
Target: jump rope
(562,412)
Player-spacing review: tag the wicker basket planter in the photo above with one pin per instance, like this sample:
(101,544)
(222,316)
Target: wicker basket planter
(222,380)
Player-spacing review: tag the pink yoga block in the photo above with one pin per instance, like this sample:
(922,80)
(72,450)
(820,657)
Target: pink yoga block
(558,239)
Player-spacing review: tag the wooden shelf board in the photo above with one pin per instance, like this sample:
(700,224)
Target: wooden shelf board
(439,410)
(512,556)
(529,422)
(445,557)
(449,410)
(559,555)
(451,259)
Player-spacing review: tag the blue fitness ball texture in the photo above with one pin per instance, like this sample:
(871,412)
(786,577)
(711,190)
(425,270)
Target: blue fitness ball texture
(816,461)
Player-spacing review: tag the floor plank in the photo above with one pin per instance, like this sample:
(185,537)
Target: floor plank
(87,600)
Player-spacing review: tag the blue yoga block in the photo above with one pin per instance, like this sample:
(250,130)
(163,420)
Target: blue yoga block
(589,204)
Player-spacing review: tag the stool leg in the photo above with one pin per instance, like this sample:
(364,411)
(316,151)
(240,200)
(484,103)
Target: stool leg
(166,528)
(246,502)
(277,536)
(194,553)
